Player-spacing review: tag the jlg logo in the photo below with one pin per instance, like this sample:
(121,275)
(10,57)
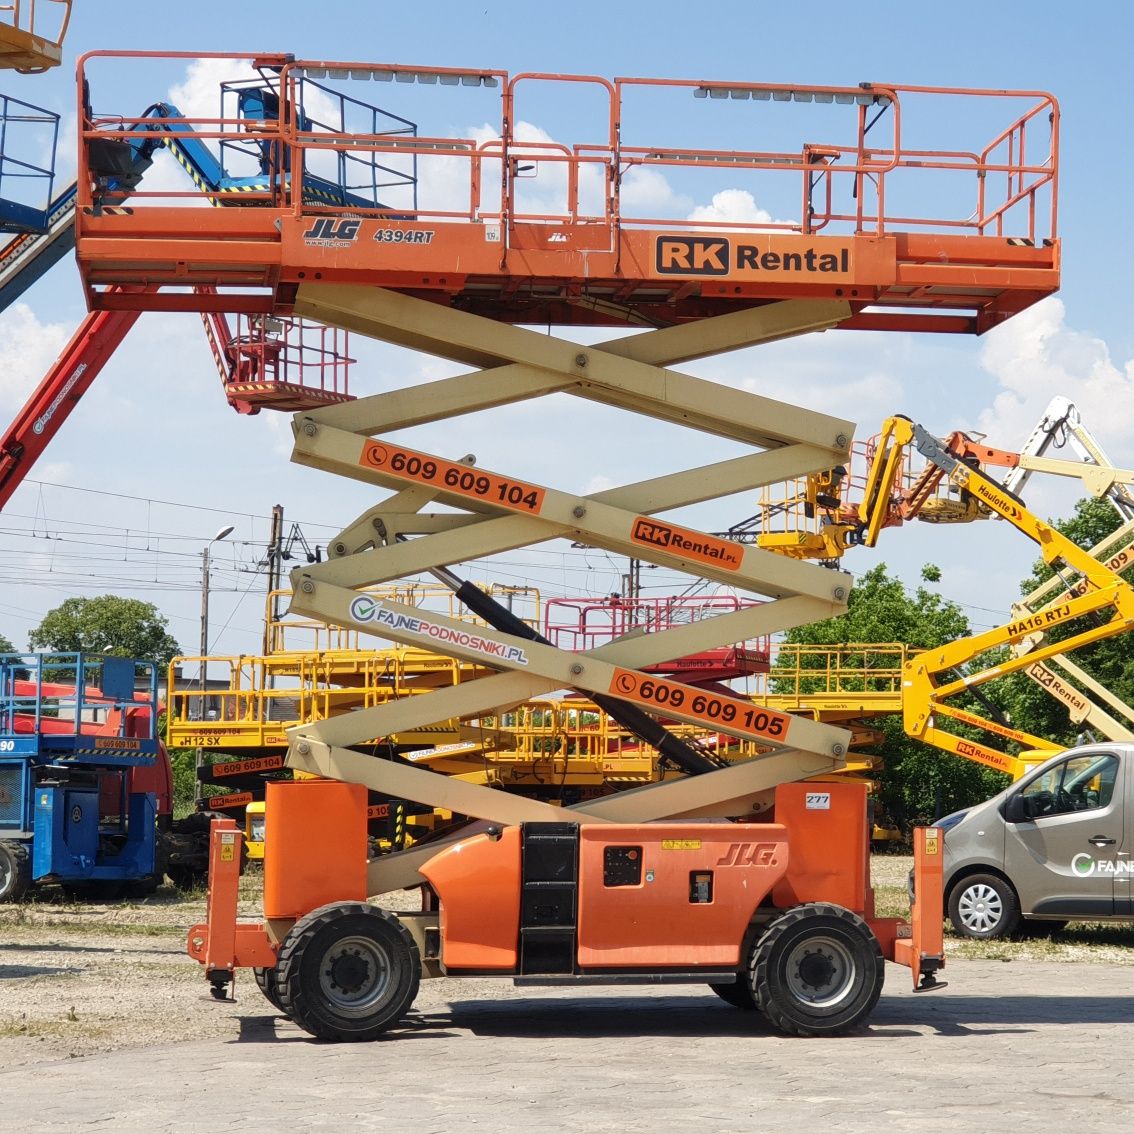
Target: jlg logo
(690,257)
(327,231)
(749,854)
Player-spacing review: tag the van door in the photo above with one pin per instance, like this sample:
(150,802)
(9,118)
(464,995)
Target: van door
(1124,858)
(1062,855)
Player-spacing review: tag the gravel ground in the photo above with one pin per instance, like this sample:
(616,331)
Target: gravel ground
(78,978)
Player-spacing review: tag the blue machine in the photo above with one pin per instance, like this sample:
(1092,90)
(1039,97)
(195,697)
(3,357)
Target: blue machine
(247,168)
(72,728)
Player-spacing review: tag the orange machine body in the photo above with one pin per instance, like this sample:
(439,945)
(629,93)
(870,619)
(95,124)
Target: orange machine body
(576,901)
(315,846)
(650,896)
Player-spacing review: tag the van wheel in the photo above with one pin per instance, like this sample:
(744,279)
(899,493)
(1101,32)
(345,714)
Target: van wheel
(817,970)
(984,906)
(347,971)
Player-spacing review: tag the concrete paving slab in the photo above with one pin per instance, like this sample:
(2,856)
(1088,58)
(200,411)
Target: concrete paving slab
(1007,1046)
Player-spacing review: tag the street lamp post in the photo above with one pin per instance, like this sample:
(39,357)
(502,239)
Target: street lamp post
(224,533)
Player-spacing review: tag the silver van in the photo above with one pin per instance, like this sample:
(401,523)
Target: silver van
(1053,847)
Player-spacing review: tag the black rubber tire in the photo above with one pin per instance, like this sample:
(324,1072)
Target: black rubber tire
(15,871)
(326,947)
(818,945)
(983,907)
(738,994)
(94,890)
(186,877)
(268,983)
(142,887)
(1038,928)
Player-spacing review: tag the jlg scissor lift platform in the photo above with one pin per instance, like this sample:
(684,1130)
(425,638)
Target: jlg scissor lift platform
(645,884)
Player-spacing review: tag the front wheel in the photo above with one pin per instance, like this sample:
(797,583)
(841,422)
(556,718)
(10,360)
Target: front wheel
(15,871)
(817,970)
(347,971)
(984,906)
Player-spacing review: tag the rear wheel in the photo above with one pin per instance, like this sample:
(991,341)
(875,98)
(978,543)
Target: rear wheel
(15,871)
(347,971)
(817,970)
(268,982)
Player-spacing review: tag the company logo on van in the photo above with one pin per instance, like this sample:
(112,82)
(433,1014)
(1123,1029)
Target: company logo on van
(1085,866)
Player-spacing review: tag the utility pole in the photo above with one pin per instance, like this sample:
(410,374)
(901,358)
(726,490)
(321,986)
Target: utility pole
(632,589)
(204,683)
(275,563)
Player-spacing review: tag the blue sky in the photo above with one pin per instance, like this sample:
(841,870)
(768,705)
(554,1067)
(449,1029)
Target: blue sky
(153,462)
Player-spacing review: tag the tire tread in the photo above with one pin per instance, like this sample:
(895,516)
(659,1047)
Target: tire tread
(296,1002)
(762,957)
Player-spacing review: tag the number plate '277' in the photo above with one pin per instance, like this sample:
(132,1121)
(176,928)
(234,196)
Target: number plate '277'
(737,716)
(407,464)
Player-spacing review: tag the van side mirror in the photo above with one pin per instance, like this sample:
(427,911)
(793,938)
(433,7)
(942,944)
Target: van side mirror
(1016,809)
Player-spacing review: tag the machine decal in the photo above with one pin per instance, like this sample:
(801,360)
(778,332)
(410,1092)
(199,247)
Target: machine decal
(124,743)
(407,464)
(403,236)
(717,256)
(1057,688)
(57,401)
(710,708)
(234,799)
(1039,621)
(327,232)
(366,609)
(749,854)
(681,844)
(985,755)
(817,801)
(238,767)
(687,543)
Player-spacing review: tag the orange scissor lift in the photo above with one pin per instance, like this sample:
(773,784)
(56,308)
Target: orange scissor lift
(643,885)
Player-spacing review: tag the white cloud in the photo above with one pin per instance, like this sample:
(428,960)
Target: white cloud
(199,95)
(1034,357)
(647,193)
(27,348)
(734,206)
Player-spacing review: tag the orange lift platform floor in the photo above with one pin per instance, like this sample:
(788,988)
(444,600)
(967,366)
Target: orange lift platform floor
(547,232)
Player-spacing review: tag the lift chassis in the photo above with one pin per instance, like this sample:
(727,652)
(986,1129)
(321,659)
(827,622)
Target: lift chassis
(751,909)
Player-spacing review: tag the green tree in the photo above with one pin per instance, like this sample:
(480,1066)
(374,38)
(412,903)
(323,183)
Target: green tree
(6,646)
(917,781)
(107,625)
